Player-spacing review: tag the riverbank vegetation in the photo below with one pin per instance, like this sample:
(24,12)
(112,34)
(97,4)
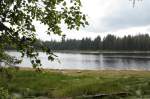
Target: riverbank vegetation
(74,84)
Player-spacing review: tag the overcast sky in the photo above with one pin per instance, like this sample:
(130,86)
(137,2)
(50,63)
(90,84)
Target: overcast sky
(116,17)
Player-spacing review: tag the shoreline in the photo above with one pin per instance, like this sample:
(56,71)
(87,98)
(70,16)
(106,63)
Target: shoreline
(81,70)
(93,51)
(101,52)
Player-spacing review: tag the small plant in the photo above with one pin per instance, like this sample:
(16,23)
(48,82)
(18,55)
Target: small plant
(3,93)
(6,76)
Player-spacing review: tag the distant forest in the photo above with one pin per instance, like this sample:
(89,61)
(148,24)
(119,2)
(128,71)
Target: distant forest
(139,42)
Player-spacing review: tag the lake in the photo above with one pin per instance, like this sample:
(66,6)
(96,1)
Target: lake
(93,61)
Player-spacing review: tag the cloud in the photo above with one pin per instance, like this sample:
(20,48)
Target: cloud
(119,15)
(116,17)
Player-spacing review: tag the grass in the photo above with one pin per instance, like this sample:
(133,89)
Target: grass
(75,84)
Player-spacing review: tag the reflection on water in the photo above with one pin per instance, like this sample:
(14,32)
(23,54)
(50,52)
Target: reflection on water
(93,61)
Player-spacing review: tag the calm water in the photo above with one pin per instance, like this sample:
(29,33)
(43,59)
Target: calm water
(92,61)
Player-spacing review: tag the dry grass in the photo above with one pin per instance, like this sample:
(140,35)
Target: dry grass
(73,83)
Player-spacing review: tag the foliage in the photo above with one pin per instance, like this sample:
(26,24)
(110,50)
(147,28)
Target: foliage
(8,60)
(110,42)
(3,93)
(17,28)
(6,76)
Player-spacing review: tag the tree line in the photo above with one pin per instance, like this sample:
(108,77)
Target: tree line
(139,42)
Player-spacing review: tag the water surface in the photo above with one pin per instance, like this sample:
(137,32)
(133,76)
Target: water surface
(95,61)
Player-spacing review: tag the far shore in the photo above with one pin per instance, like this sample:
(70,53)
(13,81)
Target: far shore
(100,52)
(94,52)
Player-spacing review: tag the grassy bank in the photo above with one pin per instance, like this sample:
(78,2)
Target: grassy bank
(75,84)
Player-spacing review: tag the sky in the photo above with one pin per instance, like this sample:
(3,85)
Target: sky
(105,17)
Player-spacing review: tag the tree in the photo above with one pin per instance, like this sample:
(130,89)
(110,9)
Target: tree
(109,42)
(133,1)
(97,43)
(86,44)
(17,28)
